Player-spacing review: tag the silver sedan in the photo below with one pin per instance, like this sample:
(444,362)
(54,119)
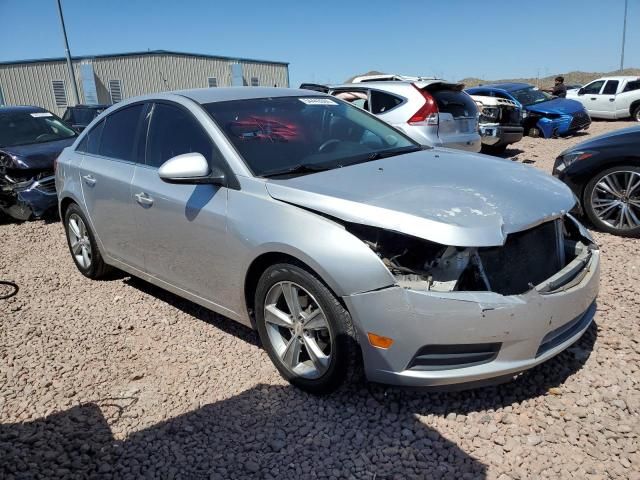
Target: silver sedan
(336,236)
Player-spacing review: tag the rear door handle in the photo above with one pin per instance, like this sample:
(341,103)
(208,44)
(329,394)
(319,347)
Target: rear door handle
(612,99)
(143,199)
(593,98)
(89,180)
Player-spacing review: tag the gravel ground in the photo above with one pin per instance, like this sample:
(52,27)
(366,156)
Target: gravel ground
(118,379)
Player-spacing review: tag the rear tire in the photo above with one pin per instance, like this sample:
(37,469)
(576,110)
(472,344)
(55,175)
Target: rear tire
(316,356)
(605,198)
(635,115)
(82,244)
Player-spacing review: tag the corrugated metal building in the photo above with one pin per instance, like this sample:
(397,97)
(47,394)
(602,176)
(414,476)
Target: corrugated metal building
(104,79)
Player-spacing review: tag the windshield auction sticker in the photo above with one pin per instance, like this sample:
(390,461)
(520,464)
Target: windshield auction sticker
(41,114)
(317,101)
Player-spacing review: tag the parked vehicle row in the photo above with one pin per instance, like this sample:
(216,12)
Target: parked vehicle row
(543,115)
(342,240)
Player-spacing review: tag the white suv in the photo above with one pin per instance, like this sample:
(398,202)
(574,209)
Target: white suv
(610,97)
(432,112)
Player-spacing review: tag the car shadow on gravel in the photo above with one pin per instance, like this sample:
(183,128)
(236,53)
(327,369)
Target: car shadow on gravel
(530,384)
(193,309)
(265,432)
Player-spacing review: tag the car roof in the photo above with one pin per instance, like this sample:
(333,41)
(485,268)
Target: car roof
(21,108)
(393,83)
(224,94)
(509,87)
(620,78)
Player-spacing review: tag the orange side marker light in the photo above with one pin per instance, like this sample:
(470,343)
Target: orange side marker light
(379,341)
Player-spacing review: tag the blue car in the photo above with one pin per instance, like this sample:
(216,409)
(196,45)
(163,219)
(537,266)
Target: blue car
(543,115)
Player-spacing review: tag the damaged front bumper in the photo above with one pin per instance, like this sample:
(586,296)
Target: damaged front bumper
(447,338)
(24,199)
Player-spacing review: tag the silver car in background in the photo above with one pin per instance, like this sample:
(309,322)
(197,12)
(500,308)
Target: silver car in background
(340,239)
(432,112)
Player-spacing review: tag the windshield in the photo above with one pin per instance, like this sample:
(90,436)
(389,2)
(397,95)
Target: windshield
(531,96)
(300,135)
(24,128)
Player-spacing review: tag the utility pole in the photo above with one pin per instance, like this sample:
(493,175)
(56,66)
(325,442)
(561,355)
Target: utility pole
(76,97)
(624,34)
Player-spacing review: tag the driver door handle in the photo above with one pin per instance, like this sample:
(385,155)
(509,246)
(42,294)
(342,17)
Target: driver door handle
(89,180)
(143,199)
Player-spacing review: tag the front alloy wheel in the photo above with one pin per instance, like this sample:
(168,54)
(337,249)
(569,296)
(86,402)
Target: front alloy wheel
(613,201)
(298,329)
(305,329)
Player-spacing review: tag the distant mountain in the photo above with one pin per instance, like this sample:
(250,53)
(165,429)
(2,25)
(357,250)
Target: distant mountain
(544,82)
(547,82)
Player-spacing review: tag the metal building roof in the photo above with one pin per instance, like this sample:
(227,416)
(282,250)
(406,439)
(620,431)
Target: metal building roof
(146,52)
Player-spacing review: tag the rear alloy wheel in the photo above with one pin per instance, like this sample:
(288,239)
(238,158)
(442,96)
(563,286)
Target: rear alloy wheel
(306,331)
(636,114)
(82,244)
(612,201)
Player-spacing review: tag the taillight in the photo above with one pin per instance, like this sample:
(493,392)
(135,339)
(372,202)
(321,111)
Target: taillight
(428,113)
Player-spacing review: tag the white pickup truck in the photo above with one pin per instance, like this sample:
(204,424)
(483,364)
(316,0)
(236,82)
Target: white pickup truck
(610,97)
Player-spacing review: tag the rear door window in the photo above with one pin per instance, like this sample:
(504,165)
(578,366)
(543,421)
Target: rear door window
(610,88)
(458,104)
(91,140)
(119,134)
(174,131)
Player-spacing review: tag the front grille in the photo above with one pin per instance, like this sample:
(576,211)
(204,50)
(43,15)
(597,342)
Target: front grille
(47,185)
(565,332)
(525,260)
(579,120)
(446,357)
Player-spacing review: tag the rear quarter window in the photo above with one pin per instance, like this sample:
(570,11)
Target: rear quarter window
(632,86)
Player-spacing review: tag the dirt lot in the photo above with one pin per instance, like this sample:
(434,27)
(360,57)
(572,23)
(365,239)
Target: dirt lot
(118,379)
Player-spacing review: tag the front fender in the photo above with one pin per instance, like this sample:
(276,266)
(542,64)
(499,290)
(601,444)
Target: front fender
(258,224)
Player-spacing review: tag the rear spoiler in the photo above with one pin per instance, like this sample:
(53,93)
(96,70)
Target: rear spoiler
(439,86)
(316,87)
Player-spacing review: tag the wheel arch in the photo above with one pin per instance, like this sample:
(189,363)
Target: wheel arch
(632,108)
(267,259)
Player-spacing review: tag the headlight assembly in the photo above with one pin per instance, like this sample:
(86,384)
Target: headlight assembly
(571,157)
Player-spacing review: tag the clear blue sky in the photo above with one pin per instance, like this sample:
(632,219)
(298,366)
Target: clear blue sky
(331,40)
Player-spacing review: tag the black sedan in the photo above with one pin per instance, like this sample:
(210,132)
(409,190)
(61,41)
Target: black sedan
(604,173)
(31,138)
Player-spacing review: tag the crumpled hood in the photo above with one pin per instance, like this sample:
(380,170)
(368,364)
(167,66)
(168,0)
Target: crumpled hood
(37,155)
(561,106)
(441,195)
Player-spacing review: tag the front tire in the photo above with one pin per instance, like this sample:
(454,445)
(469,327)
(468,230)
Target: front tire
(535,132)
(82,244)
(612,201)
(306,331)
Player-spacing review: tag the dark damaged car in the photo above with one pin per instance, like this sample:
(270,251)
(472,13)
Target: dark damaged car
(31,138)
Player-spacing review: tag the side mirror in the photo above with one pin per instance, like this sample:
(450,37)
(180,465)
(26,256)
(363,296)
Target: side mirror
(190,168)
(581,91)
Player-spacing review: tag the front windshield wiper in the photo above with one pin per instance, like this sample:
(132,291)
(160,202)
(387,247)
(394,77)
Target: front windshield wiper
(300,168)
(396,151)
